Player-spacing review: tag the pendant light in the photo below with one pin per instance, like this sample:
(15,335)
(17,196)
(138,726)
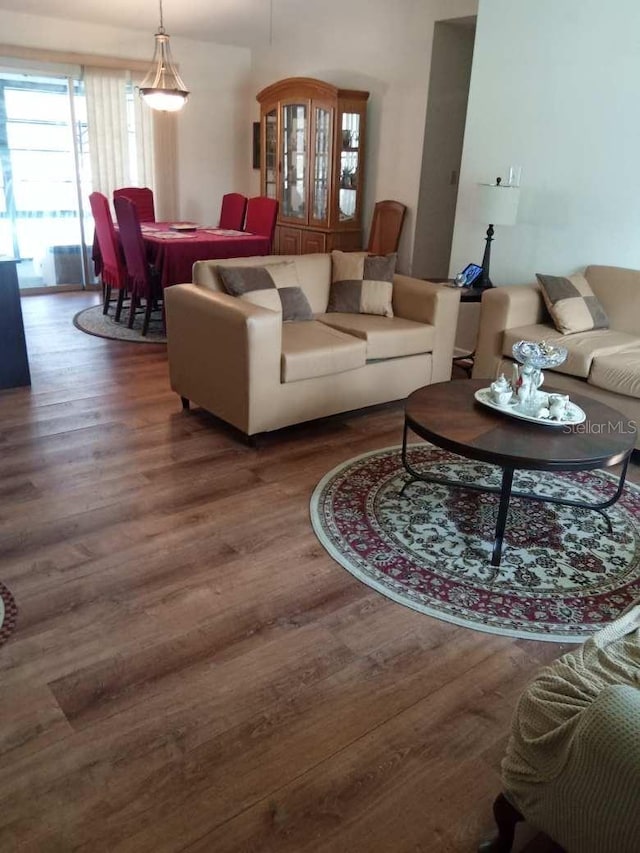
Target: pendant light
(162,88)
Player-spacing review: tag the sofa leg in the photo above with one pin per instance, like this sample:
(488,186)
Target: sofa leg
(506,817)
(185,402)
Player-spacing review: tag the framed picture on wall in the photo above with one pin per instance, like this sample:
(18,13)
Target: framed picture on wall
(256,145)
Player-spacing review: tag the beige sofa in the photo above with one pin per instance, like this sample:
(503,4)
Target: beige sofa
(242,363)
(604,364)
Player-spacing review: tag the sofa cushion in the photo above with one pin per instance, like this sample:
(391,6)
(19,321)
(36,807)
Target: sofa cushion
(275,287)
(618,372)
(618,290)
(582,347)
(572,304)
(295,305)
(361,283)
(313,349)
(240,280)
(313,271)
(386,337)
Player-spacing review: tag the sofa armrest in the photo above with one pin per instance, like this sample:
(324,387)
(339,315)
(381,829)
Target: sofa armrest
(224,352)
(503,308)
(437,305)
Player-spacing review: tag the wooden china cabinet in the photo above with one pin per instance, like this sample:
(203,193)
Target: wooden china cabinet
(312,138)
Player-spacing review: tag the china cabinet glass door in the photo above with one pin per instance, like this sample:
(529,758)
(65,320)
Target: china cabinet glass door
(294,161)
(271,154)
(349,166)
(321,165)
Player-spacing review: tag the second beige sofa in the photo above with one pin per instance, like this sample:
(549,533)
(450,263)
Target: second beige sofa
(604,363)
(239,360)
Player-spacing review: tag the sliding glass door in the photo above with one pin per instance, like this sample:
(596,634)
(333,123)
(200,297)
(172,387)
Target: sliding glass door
(45,180)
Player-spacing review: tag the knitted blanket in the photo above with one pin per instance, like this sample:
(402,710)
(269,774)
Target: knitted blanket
(572,765)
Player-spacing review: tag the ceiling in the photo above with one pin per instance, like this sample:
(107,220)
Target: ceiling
(238,22)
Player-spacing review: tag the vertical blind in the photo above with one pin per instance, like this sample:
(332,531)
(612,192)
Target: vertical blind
(120,132)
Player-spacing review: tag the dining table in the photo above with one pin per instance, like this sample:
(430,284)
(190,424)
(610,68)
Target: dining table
(173,248)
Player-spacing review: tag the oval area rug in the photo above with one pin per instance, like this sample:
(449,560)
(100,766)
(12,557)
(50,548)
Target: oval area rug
(94,322)
(561,577)
(8,613)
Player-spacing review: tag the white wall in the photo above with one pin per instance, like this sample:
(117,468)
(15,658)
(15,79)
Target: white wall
(214,140)
(555,89)
(380,46)
(377,45)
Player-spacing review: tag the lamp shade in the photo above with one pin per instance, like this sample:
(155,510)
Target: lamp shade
(497,204)
(162,88)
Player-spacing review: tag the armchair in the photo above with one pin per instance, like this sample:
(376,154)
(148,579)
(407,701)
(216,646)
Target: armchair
(572,766)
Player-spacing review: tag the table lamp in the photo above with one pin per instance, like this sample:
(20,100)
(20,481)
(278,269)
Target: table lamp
(498,205)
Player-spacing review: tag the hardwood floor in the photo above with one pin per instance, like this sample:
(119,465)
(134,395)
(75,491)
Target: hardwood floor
(190,670)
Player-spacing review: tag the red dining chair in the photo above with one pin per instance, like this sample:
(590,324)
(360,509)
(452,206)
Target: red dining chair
(110,263)
(262,213)
(232,211)
(144,283)
(142,197)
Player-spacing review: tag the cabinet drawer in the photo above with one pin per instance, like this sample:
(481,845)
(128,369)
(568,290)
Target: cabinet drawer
(313,242)
(289,241)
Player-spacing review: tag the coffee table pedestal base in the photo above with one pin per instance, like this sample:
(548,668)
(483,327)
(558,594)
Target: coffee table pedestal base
(506,492)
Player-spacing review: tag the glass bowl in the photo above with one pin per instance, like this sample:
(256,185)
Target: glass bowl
(539,353)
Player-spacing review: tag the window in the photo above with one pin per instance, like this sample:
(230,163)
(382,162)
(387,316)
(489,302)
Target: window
(54,150)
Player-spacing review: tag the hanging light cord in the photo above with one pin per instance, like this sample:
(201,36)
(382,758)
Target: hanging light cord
(161,30)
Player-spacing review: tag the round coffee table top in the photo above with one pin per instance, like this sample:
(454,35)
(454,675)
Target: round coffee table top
(448,415)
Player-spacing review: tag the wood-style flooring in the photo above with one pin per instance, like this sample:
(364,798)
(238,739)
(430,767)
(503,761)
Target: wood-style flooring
(190,670)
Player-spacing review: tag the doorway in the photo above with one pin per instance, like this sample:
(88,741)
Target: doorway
(448,94)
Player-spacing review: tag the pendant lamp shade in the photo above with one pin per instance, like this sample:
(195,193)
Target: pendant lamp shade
(163,88)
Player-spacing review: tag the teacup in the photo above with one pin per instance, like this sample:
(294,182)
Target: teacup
(501,398)
(558,406)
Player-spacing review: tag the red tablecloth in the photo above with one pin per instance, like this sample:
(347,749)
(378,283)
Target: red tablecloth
(174,253)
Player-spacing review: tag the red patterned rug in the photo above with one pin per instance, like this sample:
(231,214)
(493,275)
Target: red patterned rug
(562,575)
(8,613)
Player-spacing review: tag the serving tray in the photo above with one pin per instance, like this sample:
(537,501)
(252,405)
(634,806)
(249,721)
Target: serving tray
(573,414)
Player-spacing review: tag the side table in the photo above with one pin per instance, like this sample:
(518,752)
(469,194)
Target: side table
(467,295)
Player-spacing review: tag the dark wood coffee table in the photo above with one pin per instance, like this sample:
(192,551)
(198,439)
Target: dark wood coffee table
(447,415)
